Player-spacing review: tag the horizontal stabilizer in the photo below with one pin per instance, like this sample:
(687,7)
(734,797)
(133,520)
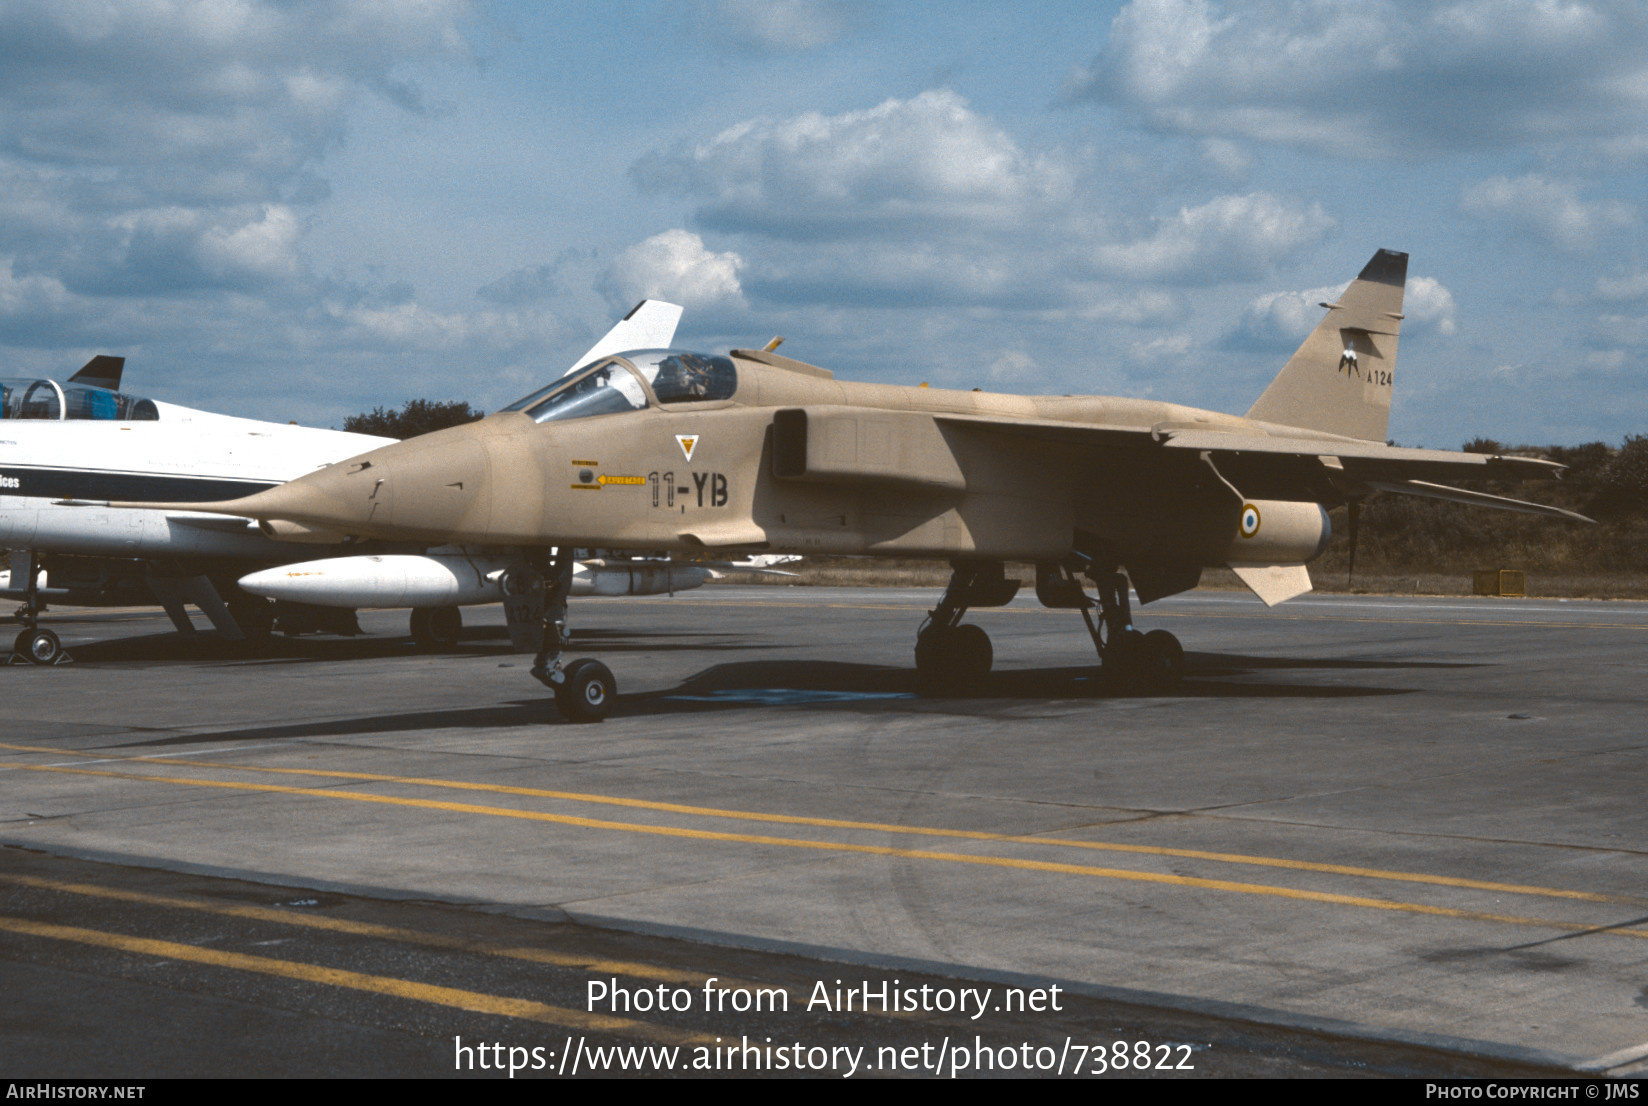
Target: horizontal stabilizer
(1476,499)
(1274,583)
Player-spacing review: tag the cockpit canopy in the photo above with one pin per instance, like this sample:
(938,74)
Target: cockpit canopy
(629,382)
(47,399)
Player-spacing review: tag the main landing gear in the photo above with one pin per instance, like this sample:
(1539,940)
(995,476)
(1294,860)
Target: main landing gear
(1133,662)
(954,657)
(535,603)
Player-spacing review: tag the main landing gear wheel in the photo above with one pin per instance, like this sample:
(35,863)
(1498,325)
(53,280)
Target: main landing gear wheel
(954,658)
(436,627)
(1158,663)
(1132,663)
(587,692)
(38,646)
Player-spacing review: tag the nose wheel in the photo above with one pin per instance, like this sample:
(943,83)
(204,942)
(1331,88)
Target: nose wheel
(38,645)
(587,691)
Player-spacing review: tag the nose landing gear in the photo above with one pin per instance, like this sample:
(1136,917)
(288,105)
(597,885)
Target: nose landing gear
(35,644)
(535,604)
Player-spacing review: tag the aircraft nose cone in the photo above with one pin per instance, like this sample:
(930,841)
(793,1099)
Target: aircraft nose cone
(427,491)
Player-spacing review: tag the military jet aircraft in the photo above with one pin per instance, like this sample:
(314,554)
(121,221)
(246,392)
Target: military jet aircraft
(672,450)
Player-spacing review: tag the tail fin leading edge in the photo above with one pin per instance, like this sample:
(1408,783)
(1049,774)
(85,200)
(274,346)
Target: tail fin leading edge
(1339,381)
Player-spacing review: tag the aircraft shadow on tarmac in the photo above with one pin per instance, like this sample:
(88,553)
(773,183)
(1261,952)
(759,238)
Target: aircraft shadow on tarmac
(521,712)
(834,685)
(735,685)
(861,686)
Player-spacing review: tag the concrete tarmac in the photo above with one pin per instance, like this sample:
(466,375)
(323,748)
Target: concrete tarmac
(1416,823)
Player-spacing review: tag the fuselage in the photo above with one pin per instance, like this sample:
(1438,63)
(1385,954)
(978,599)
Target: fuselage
(790,459)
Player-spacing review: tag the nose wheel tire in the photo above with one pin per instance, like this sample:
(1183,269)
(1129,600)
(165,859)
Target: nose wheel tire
(953,659)
(38,646)
(588,692)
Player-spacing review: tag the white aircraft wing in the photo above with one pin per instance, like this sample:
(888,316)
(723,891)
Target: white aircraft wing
(649,325)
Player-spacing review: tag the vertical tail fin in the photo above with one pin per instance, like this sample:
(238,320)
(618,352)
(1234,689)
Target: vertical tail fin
(102,371)
(650,324)
(1339,381)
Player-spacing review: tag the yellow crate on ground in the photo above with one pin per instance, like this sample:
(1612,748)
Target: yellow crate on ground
(1510,582)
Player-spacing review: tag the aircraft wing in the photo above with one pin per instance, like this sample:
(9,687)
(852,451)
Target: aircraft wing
(1364,461)
(1279,466)
(649,325)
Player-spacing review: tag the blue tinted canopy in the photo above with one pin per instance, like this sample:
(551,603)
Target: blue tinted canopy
(54,402)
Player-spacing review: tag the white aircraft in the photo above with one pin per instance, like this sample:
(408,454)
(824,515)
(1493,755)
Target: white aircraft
(67,449)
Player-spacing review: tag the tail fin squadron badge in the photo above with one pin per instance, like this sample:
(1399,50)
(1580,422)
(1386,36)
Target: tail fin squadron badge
(689,442)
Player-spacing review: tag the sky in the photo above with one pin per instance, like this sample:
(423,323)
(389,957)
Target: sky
(302,210)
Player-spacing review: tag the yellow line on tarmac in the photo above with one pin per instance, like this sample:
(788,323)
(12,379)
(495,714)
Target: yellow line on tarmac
(887,827)
(382,932)
(474,1001)
(871,850)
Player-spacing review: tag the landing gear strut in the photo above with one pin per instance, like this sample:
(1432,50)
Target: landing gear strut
(535,603)
(950,656)
(1149,664)
(35,644)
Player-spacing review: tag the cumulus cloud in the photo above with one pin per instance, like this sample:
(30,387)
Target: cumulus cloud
(675,266)
(1427,303)
(1366,78)
(929,158)
(1551,209)
(27,303)
(927,203)
(147,149)
(200,100)
(1228,237)
(1279,321)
